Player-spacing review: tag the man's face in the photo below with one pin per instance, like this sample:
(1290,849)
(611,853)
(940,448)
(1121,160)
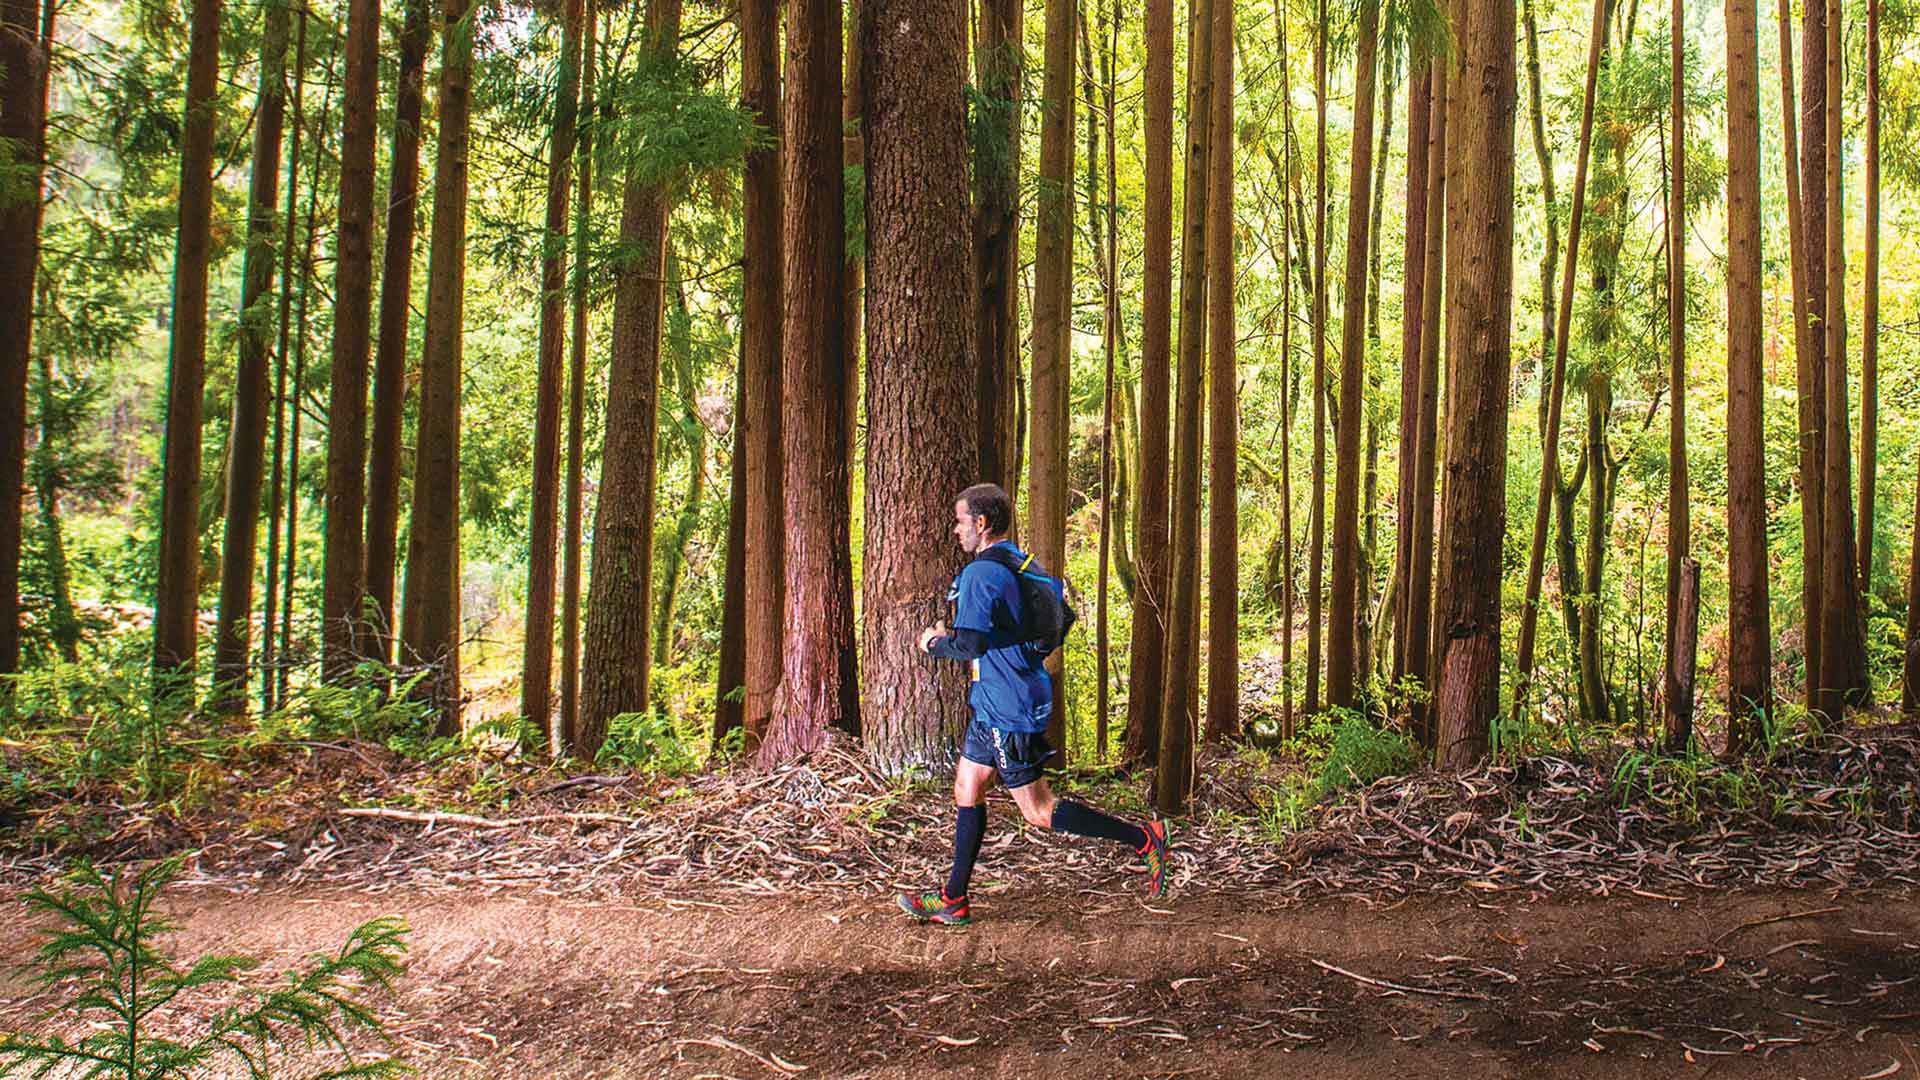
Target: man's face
(970,530)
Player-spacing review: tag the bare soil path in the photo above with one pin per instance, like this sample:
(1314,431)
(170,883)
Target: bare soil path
(1102,985)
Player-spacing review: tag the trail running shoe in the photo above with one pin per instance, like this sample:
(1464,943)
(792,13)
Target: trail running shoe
(1155,856)
(935,907)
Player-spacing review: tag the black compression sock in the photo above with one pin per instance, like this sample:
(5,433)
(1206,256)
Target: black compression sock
(1072,817)
(969,826)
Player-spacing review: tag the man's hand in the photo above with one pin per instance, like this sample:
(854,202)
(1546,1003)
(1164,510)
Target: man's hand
(937,630)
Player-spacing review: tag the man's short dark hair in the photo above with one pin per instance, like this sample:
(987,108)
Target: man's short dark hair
(989,501)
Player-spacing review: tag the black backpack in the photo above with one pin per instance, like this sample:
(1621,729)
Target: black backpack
(1045,614)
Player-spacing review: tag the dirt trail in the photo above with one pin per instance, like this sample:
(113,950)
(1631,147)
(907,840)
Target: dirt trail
(1102,985)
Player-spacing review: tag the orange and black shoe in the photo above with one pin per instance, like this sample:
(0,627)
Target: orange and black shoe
(1154,855)
(936,907)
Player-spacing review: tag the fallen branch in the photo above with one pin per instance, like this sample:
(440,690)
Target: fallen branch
(771,1061)
(1751,923)
(472,821)
(1427,840)
(1460,994)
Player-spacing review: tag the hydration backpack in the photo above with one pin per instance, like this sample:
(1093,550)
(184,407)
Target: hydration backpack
(1045,614)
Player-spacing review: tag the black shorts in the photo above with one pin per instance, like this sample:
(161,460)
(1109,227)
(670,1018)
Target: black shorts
(1017,755)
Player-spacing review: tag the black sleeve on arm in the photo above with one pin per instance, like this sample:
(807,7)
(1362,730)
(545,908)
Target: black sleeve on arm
(962,644)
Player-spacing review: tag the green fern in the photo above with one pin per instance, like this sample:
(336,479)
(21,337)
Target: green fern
(103,960)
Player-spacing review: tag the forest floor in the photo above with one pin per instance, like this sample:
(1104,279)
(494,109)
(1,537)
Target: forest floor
(1521,921)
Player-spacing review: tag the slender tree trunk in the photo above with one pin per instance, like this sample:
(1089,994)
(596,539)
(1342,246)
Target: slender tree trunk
(1680,635)
(1813,282)
(1109,341)
(616,670)
(1146,681)
(25,74)
(1550,256)
(62,625)
(1223,508)
(567,737)
(343,589)
(390,349)
(921,428)
(760,344)
(1287,371)
(1750,697)
(695,436)
(1353,325)
(729,704)
(1479,324)
(1365,619)
(177,589)
(247,441)
(1420,649)
(1053,326)
(853,284)
(1870,314)
(1317,508)
(818,692)
(1806,362)
(1413,274)
(1173,780)
(1000,66)
(268,678)
(536,685)
(430,630)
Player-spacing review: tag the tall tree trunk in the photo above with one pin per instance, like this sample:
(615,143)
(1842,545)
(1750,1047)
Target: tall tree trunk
(1806,361)
(760,344)
(1317,508)
(1353,325)
(853,282)
(1750,697)
(1479,255)
(1413,274)
(1843,657)
(536,681)
(1109,346)
(247,443)
(1870,314)
(616,670)
(26,57)
(818,691)
(390,349)
(1223,509)
(1420,647)
(1287,371)
(1813,380)
(1053,327)
(695,437)
(176,604)
(343,588)
(62,625)
(1146,681)
(1550,203)
(1680,636)
(729,704)
(1365,622)
(268,669)
(567,738)
(921,424)
(430,624)
(1173,780)
(1000,65)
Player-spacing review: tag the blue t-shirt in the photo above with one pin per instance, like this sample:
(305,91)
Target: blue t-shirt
(1011,689)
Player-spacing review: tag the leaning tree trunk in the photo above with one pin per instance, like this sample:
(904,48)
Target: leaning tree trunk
(616,670)
(1173,779)
(1353,325)
(176,606)
(1000,65)
(760,349)
(248,440)
(430,623)
(1479,254)
(343,569)
(536,685)
(390,350)
(1223,509)
(1749,691)
(25,60)
(1146,678)
(921,425)
(817,692)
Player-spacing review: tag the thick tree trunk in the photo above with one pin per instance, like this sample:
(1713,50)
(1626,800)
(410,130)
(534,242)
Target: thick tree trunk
(1317,507)
(1812,157)
(343,570)
(1353,323)
(568,733)
(1750,696)
(25,61)
(616,670)
(1000,65)
(1146,681)
(760,344)
(1682,626)
(430,630)
(1479,254)
(176,606)
(921,424)
(1223,509)
(818,692)
(1173,780)
(536,685)
(247,442)
(390,349)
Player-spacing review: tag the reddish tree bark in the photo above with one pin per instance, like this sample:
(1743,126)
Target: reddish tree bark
(1223,507)
(25,63)
(761,360)
(1413,273)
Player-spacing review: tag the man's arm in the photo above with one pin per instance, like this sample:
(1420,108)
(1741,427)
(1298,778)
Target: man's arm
(962,644)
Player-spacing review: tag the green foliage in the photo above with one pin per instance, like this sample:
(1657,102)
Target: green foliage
(104,963)
(664,127)
(652,742)
(1339,750)
(376,705)
(124,735)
